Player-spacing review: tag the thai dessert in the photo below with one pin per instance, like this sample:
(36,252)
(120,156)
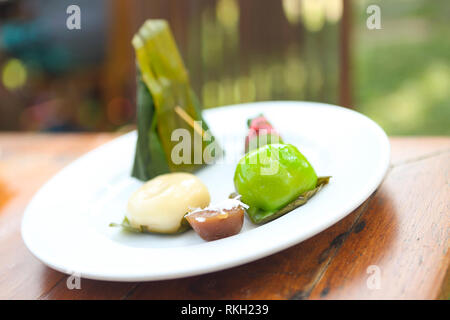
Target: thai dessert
(215,222)
(272,178)
(164,94)
(260,133)
(160,204)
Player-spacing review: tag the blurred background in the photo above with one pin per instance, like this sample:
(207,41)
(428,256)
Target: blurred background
(56,79)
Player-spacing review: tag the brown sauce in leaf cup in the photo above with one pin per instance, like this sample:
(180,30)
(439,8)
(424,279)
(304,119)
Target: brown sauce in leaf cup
(221,221)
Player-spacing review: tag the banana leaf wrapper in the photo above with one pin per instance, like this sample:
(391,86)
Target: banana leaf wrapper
(163,84)
(126,226)
(150,159)
(258,216)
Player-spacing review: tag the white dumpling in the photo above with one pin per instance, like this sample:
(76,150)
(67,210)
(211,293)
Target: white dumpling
(161,203)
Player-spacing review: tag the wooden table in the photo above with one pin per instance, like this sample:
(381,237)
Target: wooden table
(394,246)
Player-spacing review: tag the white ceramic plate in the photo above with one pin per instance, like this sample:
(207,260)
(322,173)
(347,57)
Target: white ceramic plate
(66,223)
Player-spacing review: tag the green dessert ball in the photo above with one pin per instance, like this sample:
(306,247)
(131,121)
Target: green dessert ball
(272,176)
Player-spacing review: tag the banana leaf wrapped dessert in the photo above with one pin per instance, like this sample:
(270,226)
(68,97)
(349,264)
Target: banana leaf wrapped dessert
(166,103)
(273,178)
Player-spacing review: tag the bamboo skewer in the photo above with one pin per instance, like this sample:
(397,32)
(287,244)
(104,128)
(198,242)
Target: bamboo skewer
(188,119)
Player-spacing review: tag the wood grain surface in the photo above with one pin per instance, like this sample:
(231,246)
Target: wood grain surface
(394,246)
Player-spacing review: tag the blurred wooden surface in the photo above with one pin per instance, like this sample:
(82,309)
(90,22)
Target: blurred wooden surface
(401,234)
